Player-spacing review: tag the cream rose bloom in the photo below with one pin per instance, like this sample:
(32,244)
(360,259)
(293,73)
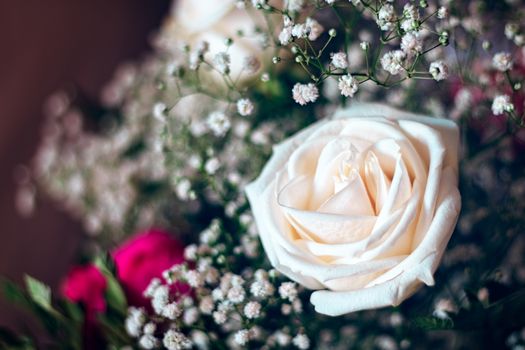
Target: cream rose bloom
(361,206)
(214,21)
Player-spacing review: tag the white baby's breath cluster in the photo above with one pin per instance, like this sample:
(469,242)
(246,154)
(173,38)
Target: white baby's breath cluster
(204,293)
(418,28)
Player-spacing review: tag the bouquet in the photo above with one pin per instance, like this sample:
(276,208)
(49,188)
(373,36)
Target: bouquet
(295,174)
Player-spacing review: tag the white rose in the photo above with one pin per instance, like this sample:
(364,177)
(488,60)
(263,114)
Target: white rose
(360,206)
(214,21)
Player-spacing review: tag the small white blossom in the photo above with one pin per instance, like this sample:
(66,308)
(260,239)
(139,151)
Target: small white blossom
(262,288)
(160,299)
(190,252)
(348,85)
(442,12)
(386,17)
(288,290)
(194,278)
(339,60)
(439,70)
(364,45)
(236,295)
(220,317)
(305,93)
(242,337)
(315,28)
(171,311)
(411,18)
(206,305)
(197,55)
(134,321)
(174,340)
(392,61)
(245,107)
(294,5)
(190,316)
(502,61)
(301,341)
(251,64)
(219,123)
(252,309)
(159,111)
(212,165)
(221,62)
(411,43)
(501,104)
(256,3)
(285,36)
(511,29)
(283,339)
(150,328)
(286,309)
(152,286)
(183,189)
(148,341)
(300,30)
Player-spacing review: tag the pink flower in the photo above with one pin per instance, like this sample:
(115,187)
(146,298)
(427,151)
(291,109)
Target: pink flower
(85,284)
(143,258)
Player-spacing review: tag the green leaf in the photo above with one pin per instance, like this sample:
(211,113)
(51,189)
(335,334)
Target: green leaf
(38,292)
(114,294)
(14,293)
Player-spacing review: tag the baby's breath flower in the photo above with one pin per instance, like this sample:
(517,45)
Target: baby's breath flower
(294,5)
(220,317)
(183,189)
(219,123)
(148,341)
(305,93)
(364,45)
(439,70)
(245,107)
(300,30)
(242,337)
(150,328)
(252,309)
(288,290)
(174,340)
(251,64)
(411,43)
(386,17)
(190,316)
(501,104)
(221,62)
(315,29)
(194,278)
(236,295)
(190,252)
(442,12)
(348,85)
(511,29)
(159,111)
(171,311)
(262,288)
(206,305)
(301,341)
(283,339)
(339,60)
(134,321)
(160,299)
(502,61)
(285,36)
(392,61)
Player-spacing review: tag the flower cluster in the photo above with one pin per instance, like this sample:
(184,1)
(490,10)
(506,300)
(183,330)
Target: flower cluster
(223,306)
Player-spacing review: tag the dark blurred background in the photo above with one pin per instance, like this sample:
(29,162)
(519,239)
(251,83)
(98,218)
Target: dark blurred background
(46,46)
